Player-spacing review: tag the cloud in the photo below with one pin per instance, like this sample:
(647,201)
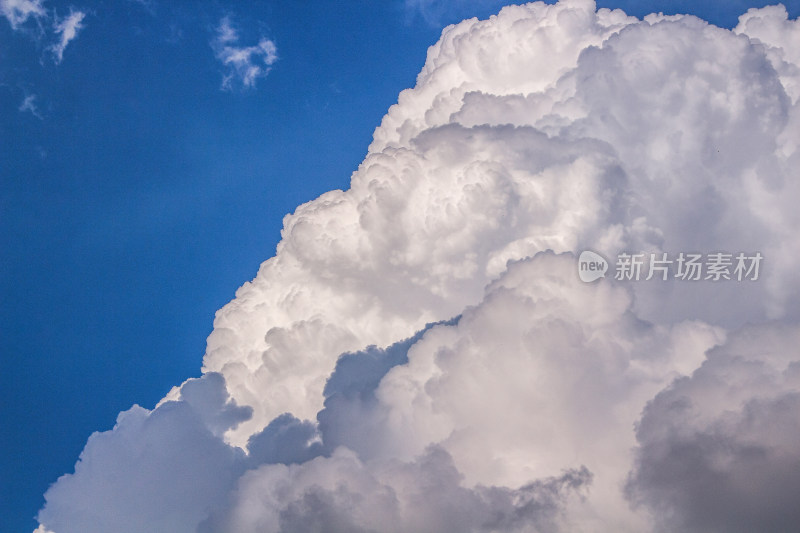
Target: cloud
(545,374)
(29,104)
(67,29)
(420,354)
(158,471)
(718,450)
(244,64)
(541,128)
(17,12)
(516,416)
(343,494)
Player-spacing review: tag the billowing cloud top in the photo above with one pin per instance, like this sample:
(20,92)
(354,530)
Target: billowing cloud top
(420,354)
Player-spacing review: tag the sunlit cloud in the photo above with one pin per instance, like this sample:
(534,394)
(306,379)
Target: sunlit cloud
(422,354)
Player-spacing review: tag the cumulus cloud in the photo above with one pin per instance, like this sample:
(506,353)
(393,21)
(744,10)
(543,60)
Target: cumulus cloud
(420,354)
(244,65)
(718,450)
(342,494)
(159,471)
(544,375)
(66,29)
(542,128)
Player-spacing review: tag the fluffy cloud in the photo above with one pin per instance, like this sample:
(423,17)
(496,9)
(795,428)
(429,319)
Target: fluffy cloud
(545,374)
(515,402)
(341,494)
(159,471)
(515,416)
(718,450)
(546,127)
(243,64)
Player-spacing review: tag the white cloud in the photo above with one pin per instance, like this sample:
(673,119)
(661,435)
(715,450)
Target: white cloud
(545,374)
(522,134)
(17,12)
(67,29)
(517,416)
(244,64)
(156,471)
(29,104)
(548,127)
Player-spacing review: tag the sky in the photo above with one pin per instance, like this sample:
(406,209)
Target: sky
(150,151)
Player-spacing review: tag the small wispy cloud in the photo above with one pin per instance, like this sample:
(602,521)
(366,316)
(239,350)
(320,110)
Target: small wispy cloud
(67,29)
(17,12)
(244,64)
(29,105)
(50,27)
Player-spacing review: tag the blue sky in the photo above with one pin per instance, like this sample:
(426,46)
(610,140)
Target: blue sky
(138,191)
